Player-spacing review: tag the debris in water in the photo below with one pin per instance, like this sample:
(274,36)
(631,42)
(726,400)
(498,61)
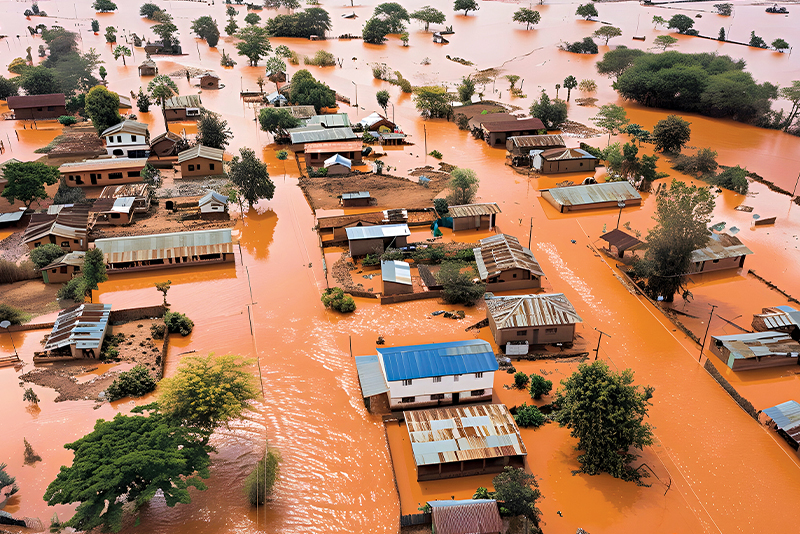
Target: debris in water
(380,341)
(438,312)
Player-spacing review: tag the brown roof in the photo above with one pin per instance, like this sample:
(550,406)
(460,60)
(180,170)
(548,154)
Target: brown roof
(531,310)
(201,151)
(36,101)
(466,517)
(333,146)
(536,141)
(103,164)
(621,240)
(70,223)
(471,210)
(166,135)
(513,125)
(501,252)
(566,153)
(125,190)
(413,218)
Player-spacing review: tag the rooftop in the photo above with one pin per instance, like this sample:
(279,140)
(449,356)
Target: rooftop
(371,119)
(377,232)
(579,195)
(786,417)
(71,222)
(185,101)
(125,190)
(334,146)
(200,151)
(472,210)
(778,317)
(745,346)
(501,252)
(116,205)
(513,125)
(537,141)
(301,112)
(463,433)
(370,376)
(473,516)
(103,164)
(160,246)
(36,101)
(359,194)
(129,127)
(82,325)
(213,195)
(338,159)
(335,120)
(398,272)
(720,246)
(437,359)
(621,240)
(319,134)
(556,154)
(73,258)
(166,135)
(531,310)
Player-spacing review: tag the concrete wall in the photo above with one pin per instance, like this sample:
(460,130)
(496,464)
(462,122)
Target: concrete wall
(479,222)
(67,245)
(718,265)
(569,165)
(422,389)
(539,335)
(101,177)
(201,167)
(512,279)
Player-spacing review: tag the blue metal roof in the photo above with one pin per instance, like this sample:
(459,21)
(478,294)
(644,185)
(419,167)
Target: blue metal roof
(437,359)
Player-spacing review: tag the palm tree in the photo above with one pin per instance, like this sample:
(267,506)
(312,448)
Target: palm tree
(122,51)
(161,88)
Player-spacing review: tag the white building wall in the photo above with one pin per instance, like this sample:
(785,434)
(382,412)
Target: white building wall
(422,388)
(125,142)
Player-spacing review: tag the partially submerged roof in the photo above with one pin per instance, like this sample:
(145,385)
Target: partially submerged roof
(776,318)
(200,151)
(125,190)
(463,433)
(74,259)
(213,196)
(82,325)
(621,240)
(318,134)
(560,154)
(335,120)
(359,194)
(180,102)
(515,311)
(114,205)
(338,159)
(437,359)
(377,232)
(36,101)
(103,164)
(581,195)
(719,247)
(71,222)
(161,246)
(333,147)
(759,344)
(275,96)
(473,210)
(370,376)
(209,75)
(537,141)
(501,252)
(148,63)
(11,217)
(513,125)
(395,271)
(470,516)
(786,417)
(129,127)
(301,112)
(373,118)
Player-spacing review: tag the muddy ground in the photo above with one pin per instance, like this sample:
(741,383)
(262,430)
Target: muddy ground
(33,296)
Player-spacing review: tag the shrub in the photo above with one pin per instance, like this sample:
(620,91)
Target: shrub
(431,254)
(13,315)
(368,139)
(46,254)
(462,121)
(458,286)
(733,178)
(370,260)
(521,380)
(7,480)
(540,386)
(259,484)
(158,331)
(30,455)
(178,323)
(10,272)
(441,206)
(587,46)
(67,120)
(527,416)
(596,152)
(30,396)
(392,254)
(322,58)
(335,298)
(73,290)
(435,153)
(133,383)
(699,164)
(69,195)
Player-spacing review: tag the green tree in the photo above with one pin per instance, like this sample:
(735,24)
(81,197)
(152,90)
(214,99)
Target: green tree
(466,89)
(93,271)
(254,43)
(104,6)
(128,460)
(648,172)
(611,118)
(143,101)
(733,178)
(208,391)
(521,380)
(518,492)
(606,413)
(404,37)
(275,66)
(163,288)
(637,132)
(28,396)
(617,61)
(213,131)
(682,216)
(276,121)
(252,18)
(232,27)
(111,34)
(682,23)
(671,134)
(780,44)
(457,284)
(792,94)
(539,386)
(206,28)
(282,155)
(102,107)
(383,97)
(307,91)
(95,25)
(757,41)
(375,31)
(230,11)
(162,88)
(148,9)
(659,21)
(336,299)
(463,186)
(26,181)
(250,177)
(7,88)
(429,15)
(69,195)
(433,101)
(39,80)
(570,83)
(552,113)
(528,17)
(103,73)
(7,480)
(721,34)
(466,6)
(46,254)
(261,481)
(724,9)
(133,383)
(586,11)
(178,323)
(166,30)
(529,416)
(664,41)
(394,14)
(123,52)
(607,33)
(512,79)
(12,315)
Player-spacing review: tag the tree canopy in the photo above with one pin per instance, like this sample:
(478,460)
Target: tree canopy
(570,83)
(249,175)
(162,87)
(375,31)
(466,6)
(429,15)
(147,10)
(26,181)
(254,43)
(605,412)
(457,284)
(39,80)
(611,118)
(93,271)
(102,106)
(664,41)
(46,254)
(307,91)
(606,32)
(383,97)
(682,23)
(393,14)
(617,61)
(586,11)
(311,21)
(213,131)
(671,134)
(552,113)
(433,101)
(517,492)
(104,6)
(463,186)
(276,120)
(206,28)
(527,16)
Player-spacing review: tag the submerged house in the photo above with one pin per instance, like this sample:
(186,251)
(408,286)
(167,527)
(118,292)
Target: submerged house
(103,171)
(209,80)
(63,269)
(621,241)
(498,127)
(364,240)
(786,420)
(474,216)
(531,319)
(128,138)
(334,228)
(476,516)
(375,122)
(558,160)
(165,145)
(723,251)
(78,332)
(316,154)
(148,68)
(396,278)
(140,192)
(464,441)
(337,165)
(592,196)
(778,319)
(744,351)
(201,161)
(181,108)
(37,107)
(505,265)
(159,251)
(521,145)
(67,228)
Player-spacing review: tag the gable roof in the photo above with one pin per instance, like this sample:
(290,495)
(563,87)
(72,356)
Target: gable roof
(531,310)
(472,210)
(213,196)
(36,101)
(73,258)
(200,151)
(471,516)
(301,112)
(579,195)
(745,346)
(335,120)
(719,247)
(395,271)
(377,232)
(82,325)
(556,154)
(159,246)
(517,125)
(786,417)
(537,141)
(125,190)
(318,134)
(373,118)
(71,222)
(437,359)
(103,164)
(370,376)
(621,240)
(338,159)
(180,102)
(501,252)
(128,126)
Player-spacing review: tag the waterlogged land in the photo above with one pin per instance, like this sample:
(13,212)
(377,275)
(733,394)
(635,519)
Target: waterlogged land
(727,473)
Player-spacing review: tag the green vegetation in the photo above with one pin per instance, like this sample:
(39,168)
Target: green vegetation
(393,14)
(336,299)
(67,120)
(322,58)
(466,6)
(702,163)
(311,21)
(261,481)
(134,383)
(121,51)
(143,101)
(111,34)
(463,186)
(307,91)
(436,154)
(383,97)
(162,88)
(666,41)
(206,28)
(671,134)
(102,107)
(39,81)
(249,174)
(433,101)
(724,9)
(178,323)
(586,46)
(254,43)
(617,61)
(429,15)
(605,412)
(441,206)
(276,120)
(93,272)
(375,31)
(7,480)
(7,88)
(521,380)
(528,416)
(757,41)
(147,10)
(552,113)
(163,288)
(518,492)
(607,33)
(570,83)
(458,285)
(11,314)
(72,290)
(104,6)
(733,178)
(586,11)
(683,24)
(30,396)
(466,89)
(26,181)
(46,254)
(252,18)
(539,386)
(611,118)
(213,131)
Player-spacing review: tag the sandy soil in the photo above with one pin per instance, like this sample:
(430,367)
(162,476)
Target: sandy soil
(32,296)
(12,248)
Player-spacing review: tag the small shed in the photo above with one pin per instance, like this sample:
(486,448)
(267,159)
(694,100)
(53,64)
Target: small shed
(723,251)
(779,319)
(438,38)
(498,127)
(357,199)
(621,241)
(165,145)
(201,161)
(474,216)
(365,240)
(786,420)
(180,108)
(112,211)
(63,269)
(396,277)
(148,68)
(375,122)
(745,351)
(473,516)
(391,138)
(560,160)
(592,196)
(209,80)
(277,76)
(213,202)
(338,164)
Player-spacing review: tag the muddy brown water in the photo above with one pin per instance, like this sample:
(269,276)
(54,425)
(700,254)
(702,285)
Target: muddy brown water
(728,474)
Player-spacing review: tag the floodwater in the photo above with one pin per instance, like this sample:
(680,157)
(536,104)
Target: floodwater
(728,474)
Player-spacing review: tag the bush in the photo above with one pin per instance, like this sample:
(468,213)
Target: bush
(458,286)
(587,46)
(335,298)
(462,121)
(73,290)
(321,59)
(13,315)
(178,323)
(527,416)
(441,206)
(158,331)
(259,484)
(539,386)
(67,120)
(7,480)
(69,195)
(133,383)
(596,152)
(392,254)
(521,380)
(10,272)
(431,254)
(435,153)
(46,254)
(702,163)
(733,178)
(370,260)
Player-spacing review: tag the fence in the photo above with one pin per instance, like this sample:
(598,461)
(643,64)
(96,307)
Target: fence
(743,403)
(435,294)
(411,520)
(135,314)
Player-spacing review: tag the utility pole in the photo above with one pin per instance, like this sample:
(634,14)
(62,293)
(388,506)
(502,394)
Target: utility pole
(354,85)
(702,346)
(530,234)
(620,205)
(597,350)
(425,131)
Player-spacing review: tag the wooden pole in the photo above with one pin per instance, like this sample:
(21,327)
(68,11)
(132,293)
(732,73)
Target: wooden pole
(702,346)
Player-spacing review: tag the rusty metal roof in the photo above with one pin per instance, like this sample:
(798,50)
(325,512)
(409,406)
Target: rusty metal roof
(166,135)
(180,102)
(580,195)
(759,344)
(82,325)
(71,222)
(301,112)
(473,210)
(463,433)
(787,418)
(125,190)
(531,310)
(566,154)
(621,240)
(103,164)
(333,147)
(163,246)
(36,101)
(719,247)
(776,318)
(502,252)
(514,125)
(73,258)
(470,516)
(537,141)
(200,151)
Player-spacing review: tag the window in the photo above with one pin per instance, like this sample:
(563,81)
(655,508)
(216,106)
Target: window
(119,139)
(715,261)
(115,215)
(515,275)
(134,174)
(581,164)
(478,393)
(438,396)
(211,166)
(437,379)
(191,167)
(198,166)
(478,375)
(522,332)
(133,138)
(50,108)
(65,244)
(550,331)
(38,109)
(407,382)
(62,269)
(37,245)
(76,241)
(456,377)
(114,175)
(407,399)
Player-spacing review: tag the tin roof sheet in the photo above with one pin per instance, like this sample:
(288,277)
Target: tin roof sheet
(531,310)
(103,164)
(333,147)
(472,210)
(370,376)
(36,101)
(513,125)
(566,154)
(129,126)
(125,190)
(338,159)
(463,433)
(82,325)
(166,135)
(301,112)
(320,135)
(471,516)
(185,101)
(787,417)
(71,222)
(200,151)
(621,240)
(398,272)
(377,232)
(720,246)
(73,258)
(580,195)
(758,344)
(437,359)
(371,119)
(213,195)
(358,194)
(537,141)
(335,120)
(502,252)
(198,238)
(13,216)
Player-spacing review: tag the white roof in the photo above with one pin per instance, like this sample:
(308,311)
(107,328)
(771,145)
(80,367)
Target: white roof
(123,205)
(398,272)
(213,195)
(371,119)
(377,232)
(338,159)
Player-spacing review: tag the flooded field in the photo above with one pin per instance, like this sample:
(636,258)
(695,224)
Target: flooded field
(728,474)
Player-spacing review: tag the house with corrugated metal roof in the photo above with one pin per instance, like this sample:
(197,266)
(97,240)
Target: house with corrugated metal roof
(785,418)
(474,216)
(165,145)
(434,374)
(140,192)
(521,145)
(746,351)
(526,320)
(364,240)
(201,161)
(356,199)
(112,211)
(129,138)
(316,154)
(78,332)
(37,107)
(723,251)
(473,516)
(181,108)
(464,441)
(148,67)
(498,127)
(213,202)
(784,319)
(558,160)
(592,196)
(66,227)
(102,171)
(332,120)
(305,136)
(504,264)
(337,165)
(64,268)
(375,122)
(396,278)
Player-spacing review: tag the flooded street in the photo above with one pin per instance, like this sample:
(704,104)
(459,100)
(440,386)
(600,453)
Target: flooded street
(728,474)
